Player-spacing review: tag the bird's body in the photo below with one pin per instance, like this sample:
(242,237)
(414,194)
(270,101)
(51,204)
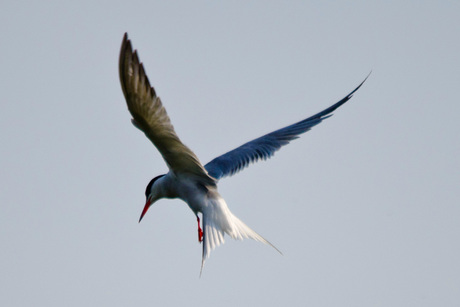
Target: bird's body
(202,198)
(187,178)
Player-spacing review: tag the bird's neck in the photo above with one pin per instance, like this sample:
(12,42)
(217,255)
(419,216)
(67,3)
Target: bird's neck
(166,187)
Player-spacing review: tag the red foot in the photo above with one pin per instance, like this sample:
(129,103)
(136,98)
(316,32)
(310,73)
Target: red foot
(200,232)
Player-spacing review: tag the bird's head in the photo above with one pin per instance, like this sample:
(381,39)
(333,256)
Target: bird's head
(152,194)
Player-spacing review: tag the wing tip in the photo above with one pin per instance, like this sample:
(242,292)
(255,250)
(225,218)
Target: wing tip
(357,88)
(125,55)
(130,67)
(125,46)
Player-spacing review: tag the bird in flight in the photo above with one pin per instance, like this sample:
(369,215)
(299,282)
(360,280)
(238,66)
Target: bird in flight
(188,179)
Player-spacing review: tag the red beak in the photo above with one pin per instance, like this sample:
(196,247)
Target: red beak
(146,207)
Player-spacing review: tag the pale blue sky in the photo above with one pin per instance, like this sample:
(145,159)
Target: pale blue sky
(364,207)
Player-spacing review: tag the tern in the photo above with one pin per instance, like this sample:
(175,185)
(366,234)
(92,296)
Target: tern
(187,178)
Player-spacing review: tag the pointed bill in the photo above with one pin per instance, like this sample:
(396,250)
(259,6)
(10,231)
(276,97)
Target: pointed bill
(146,207)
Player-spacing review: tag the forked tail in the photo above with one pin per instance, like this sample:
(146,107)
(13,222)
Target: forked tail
(218,221)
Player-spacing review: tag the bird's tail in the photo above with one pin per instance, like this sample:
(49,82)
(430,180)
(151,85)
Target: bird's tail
(218,221)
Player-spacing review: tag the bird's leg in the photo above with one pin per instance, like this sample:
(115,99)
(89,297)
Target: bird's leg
(200,232)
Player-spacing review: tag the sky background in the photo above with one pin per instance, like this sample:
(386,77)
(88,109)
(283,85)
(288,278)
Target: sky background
(364,207)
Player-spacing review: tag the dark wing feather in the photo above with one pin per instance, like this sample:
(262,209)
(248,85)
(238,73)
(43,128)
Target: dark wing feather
(265,147)
(150,116)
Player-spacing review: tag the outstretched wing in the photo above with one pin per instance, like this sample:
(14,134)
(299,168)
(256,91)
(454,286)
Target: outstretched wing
(265,147)
(150,116)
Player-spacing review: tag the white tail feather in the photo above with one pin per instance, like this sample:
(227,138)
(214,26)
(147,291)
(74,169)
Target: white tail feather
(218,221)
